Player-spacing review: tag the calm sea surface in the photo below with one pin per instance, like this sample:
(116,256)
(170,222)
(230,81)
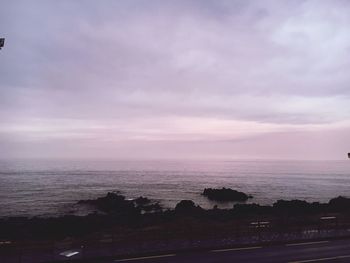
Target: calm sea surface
(51,188)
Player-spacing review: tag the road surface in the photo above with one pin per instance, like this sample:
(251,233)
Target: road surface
(304,252)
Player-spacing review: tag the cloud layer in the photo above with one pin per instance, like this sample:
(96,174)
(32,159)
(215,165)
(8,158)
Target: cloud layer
(112,75)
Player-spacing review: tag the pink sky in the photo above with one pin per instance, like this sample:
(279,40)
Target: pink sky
(175,79)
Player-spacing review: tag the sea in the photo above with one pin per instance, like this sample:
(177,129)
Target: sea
(49,188)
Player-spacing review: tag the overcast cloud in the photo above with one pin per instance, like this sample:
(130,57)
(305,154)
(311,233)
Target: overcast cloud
(175,79)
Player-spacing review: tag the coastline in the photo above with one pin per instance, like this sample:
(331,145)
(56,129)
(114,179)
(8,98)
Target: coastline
(50,189)
(116,210)
(188,227)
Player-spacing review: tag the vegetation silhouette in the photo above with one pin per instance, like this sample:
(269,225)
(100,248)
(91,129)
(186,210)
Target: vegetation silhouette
(118,212)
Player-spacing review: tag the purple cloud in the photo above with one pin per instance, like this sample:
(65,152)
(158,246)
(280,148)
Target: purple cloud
(76,73)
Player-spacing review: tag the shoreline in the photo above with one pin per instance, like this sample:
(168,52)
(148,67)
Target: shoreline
(50,189)
(115,210)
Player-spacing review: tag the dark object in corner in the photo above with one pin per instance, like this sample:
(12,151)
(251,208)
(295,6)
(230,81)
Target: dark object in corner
(2,42)
(225,194)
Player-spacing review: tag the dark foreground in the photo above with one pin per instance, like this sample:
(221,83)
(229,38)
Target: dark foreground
(318,251)
(188,233)
(321,250)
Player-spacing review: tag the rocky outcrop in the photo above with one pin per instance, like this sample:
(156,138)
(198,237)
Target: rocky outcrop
(187,207)
(114,202)
(225,194)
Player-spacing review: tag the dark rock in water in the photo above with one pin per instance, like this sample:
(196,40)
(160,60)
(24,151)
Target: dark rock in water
(147,205)
(225,194)
(142,201)
(187,206)
(156,207)
(112,203)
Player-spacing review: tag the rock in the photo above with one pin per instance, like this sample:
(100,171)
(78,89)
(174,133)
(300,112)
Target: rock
(112,203)
(187,207)
(225,194)
(156,207)
(140,201)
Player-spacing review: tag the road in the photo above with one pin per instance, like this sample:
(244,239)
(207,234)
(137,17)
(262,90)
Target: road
(320,251)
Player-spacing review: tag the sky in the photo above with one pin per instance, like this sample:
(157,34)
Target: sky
(177,79)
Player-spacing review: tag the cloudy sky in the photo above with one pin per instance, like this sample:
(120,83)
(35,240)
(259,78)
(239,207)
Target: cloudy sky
(175,79)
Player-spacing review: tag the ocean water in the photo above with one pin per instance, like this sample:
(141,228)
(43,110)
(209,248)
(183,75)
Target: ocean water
(52,188)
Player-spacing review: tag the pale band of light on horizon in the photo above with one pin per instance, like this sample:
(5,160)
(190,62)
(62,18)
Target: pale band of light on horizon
(175,79)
